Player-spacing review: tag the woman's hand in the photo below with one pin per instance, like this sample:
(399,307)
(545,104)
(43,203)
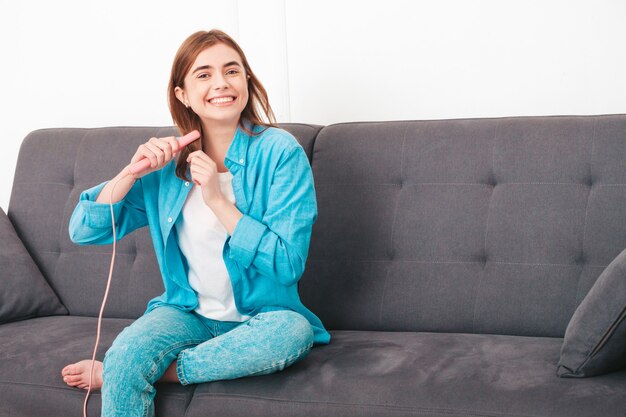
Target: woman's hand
(204,174)
(159,151)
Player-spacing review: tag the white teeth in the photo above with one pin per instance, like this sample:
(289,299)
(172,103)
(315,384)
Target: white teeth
(221,100)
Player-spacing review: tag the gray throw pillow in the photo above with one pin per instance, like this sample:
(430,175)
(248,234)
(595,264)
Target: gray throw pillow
(595,338)
(24,292)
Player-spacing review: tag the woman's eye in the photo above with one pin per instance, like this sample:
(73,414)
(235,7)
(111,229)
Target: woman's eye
(233,72)
(203,75)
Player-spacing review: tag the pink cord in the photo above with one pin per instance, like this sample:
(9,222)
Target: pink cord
(132,169)
(104,300)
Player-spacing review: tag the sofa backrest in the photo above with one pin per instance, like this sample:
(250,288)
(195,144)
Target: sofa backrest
(479,225)
(54,166)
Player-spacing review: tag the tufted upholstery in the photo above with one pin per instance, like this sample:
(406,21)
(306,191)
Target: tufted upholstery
(74,160)
(476,226)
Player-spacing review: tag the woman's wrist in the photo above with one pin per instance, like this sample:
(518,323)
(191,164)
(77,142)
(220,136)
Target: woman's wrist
(126,173)
(121,184)
(218,204)
(227,213)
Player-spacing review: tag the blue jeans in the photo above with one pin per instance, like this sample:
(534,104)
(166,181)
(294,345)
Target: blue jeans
(206,350)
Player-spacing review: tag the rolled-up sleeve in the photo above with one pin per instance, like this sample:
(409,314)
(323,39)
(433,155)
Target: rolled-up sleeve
(277,244)
(246,239)
(90,222)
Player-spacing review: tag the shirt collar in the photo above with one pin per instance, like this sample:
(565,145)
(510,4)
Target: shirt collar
(238,149)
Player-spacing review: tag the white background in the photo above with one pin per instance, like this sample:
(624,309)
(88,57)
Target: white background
(81,63)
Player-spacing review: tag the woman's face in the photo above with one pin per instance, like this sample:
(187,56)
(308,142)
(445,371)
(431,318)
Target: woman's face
(216,87)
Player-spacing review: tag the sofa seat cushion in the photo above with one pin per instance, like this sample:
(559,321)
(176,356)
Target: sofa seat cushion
(364,373)
(34,352)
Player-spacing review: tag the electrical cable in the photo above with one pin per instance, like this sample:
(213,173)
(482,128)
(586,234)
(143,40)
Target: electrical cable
(106,295)
(130,170)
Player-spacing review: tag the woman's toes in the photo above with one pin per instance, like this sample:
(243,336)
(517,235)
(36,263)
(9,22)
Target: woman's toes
(72,379)
(69,370)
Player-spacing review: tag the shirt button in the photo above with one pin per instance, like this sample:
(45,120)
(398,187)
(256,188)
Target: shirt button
(241,161)
(186,183)
(169,219)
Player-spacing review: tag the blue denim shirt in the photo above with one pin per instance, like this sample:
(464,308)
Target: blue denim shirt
(266,253)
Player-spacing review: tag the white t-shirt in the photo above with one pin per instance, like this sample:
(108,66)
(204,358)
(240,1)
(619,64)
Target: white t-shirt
(201,237)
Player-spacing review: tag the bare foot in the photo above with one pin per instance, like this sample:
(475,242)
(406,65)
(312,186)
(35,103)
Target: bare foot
(77,374)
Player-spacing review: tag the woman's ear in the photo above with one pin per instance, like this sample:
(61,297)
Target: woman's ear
(181,96)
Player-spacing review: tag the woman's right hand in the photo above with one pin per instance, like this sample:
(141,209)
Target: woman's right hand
(159,151)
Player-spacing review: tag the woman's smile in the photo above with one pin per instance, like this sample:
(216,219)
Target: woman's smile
(222,101)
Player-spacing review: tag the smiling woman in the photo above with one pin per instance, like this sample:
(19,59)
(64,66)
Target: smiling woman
(206,69)
(216,91)
(237,240)
(218,85)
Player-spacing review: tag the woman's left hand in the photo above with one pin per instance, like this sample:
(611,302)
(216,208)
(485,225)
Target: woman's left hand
(204,174)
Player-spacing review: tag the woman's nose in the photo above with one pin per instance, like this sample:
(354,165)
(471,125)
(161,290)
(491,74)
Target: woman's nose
(219,82)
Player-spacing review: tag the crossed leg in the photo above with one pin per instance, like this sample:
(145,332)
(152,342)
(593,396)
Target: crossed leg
(167,344)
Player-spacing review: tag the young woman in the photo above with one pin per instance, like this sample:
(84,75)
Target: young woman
(230,217)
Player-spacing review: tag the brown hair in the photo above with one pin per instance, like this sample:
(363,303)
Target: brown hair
(258,104)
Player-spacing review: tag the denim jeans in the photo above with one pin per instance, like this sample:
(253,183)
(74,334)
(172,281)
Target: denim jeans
(206,350)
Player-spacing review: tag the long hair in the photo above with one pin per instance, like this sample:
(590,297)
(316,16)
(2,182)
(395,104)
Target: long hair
(257,111)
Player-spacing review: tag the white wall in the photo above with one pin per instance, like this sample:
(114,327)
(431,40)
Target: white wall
(79,63)
(455,58)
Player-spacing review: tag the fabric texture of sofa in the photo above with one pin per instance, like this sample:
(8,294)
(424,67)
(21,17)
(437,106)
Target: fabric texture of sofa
(461,267)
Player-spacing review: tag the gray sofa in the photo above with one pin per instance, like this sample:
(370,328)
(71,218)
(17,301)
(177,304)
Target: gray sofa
(448,261)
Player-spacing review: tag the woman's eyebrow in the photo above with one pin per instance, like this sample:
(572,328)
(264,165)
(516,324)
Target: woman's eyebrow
(228,64)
